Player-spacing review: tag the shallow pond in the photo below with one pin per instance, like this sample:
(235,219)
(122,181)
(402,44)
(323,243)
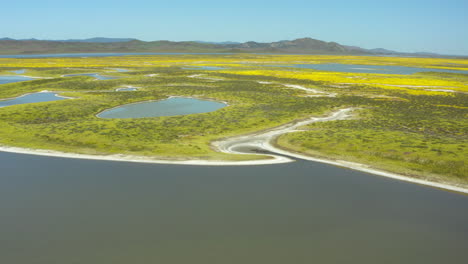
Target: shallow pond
(206,68)
(95,75)
(120,70)
(12,79)
(56,210)
(170,107)
(19,71)
(85,55)
(382,69)
(32,98)
(126,89)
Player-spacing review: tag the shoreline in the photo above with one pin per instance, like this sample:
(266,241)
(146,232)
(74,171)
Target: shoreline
(139,159)
(158,100)
(265,141)
(27,76)
(259,140)
(56,94)
(368,169)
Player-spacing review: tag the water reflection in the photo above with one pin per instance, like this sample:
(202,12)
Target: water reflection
(32,98)
(170,107)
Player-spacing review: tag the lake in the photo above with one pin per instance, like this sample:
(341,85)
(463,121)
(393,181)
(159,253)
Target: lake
(382,69)
(55,210)
(32,98)
(170,107)
(95,75)
(12,79)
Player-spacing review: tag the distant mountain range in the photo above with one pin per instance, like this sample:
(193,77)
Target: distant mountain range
(100,44)
(90,40)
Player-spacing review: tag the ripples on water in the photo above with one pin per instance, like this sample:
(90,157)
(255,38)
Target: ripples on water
(170,107)
(32,98)
(57,210)
(12,79)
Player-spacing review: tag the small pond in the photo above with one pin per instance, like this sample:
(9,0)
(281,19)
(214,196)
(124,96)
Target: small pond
(32,98)
(19,71)
(12,79)
(173,106)
(206,68)
(382,69)
(95,75)
(126,89)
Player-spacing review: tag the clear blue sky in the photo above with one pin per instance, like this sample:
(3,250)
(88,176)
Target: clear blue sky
(411,25)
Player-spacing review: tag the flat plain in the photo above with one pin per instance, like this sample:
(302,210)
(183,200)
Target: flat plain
(411,124)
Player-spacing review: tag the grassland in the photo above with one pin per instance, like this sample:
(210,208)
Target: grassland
(414,125)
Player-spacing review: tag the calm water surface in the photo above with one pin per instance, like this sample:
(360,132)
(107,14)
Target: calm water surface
(55,210)
(130,89)
(95,75)
(170,107)
(12,79)
(382,69)
(32,98)
(19,71)
(206,68)
(121,70)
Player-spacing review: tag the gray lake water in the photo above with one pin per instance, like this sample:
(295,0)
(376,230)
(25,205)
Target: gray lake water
(55,210)
(32,98)
(95,75)
(382,69)
(170,107)
(12,79)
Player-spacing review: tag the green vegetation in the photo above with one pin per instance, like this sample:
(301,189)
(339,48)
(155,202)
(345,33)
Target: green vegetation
(409,130)
(413,137)
(71,125)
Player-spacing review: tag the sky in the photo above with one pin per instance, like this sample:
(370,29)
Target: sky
(407,26)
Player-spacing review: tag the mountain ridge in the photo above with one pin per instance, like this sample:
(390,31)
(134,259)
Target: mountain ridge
(9,46)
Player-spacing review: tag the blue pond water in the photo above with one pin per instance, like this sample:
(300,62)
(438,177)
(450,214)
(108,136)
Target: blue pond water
(19,71)
(382,69)
(206,68)
(12,79)
(32,98)
(95,75)
(129,89)
(170,107)
(121,70)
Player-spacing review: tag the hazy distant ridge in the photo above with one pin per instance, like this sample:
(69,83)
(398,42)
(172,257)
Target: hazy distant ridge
(100,44)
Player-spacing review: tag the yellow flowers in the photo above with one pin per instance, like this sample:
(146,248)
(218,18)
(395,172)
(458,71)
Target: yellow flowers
(253,64)
(414,84)
(232,60)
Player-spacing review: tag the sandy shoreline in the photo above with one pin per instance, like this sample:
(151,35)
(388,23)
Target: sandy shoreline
(139,159)
(264,141)
(56,94)
(32,77)
(259,141)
